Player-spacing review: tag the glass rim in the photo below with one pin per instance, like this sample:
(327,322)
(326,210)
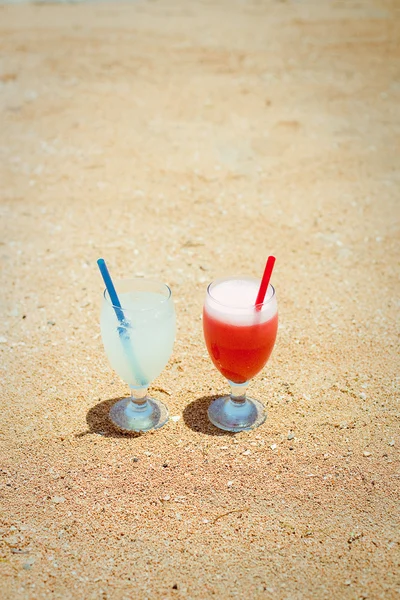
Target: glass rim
(144,309)
(233,277)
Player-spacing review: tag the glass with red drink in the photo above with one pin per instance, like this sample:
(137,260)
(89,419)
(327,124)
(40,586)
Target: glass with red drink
(240,335)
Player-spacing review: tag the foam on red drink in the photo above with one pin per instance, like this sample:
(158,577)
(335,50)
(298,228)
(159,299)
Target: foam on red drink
(239,338)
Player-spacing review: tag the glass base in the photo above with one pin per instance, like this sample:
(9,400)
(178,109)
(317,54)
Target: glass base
(231,415)
(127,415)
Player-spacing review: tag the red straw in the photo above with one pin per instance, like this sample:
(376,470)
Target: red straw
(265,281)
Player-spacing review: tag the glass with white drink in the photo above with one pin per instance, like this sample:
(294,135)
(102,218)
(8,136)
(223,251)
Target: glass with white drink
(138,338)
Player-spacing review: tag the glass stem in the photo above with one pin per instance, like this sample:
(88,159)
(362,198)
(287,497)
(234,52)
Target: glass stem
(238,392)
(139,397)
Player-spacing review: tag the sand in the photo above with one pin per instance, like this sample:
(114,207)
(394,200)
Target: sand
(185,141)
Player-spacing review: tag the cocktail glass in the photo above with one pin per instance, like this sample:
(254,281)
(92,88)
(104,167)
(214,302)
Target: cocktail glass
(138,348)
(239,336)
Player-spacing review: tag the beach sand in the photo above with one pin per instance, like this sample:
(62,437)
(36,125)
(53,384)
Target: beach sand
(184,141)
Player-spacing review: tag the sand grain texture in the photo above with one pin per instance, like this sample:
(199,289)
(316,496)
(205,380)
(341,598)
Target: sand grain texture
(185,141)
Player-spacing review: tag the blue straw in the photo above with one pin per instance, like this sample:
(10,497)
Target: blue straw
(125,324)
(116,304)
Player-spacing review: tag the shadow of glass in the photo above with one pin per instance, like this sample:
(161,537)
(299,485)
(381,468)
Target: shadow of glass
(196,418)
(99,422)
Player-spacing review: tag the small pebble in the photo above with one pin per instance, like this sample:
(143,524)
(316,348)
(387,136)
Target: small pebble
(246,452)
(58,499)
(365,453)
(165,498)
(273,446)
(51,323)
(3,340)
(11,540)
(230,483)
(205,521)
(147,453)
(347,582)
(135,459)
(363,395)
(391,443)
(175,418)
(290,435)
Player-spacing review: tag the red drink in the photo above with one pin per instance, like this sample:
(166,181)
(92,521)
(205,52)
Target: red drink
(239,351)
(239,336)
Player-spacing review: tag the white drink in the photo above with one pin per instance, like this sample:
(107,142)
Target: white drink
(139,350)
